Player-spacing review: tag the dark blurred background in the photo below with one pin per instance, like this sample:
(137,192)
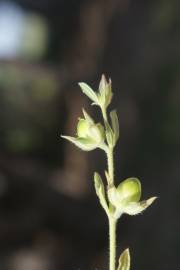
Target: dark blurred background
(50,218)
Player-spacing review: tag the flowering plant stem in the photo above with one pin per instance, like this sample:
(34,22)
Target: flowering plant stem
(115,200)
(112,243)
(111,219)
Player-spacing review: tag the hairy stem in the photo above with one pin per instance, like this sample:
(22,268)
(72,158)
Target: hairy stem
(112,244)
(110,161)
(112,221)
(104,113)
(109,151)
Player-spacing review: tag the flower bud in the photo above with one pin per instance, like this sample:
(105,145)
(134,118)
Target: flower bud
(90,130)
(101,98)
(129,190)
(125,198)
(89,135)
(83,128)
(105,92)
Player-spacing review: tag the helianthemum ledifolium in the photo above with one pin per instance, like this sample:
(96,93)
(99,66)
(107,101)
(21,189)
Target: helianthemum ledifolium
(116,200)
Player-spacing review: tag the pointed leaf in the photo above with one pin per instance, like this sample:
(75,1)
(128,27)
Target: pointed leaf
(99,187)
(124,260)
(115,124)
(87,90)
(86,144)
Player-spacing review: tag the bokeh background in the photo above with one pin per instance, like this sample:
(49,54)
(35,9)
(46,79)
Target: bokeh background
(50,218)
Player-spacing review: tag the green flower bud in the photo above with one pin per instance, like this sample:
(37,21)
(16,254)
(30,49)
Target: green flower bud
(126,198)
(129,190)
(105,92)
(83,128)
(86,129)
(89,135)
(102,97)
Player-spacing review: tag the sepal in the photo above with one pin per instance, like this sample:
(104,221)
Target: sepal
(85,144)
(137,208)
(87,117)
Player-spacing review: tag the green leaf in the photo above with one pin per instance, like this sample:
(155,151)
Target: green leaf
(99,187)
(115,124)
(124,260)
(87,90)
(85,144)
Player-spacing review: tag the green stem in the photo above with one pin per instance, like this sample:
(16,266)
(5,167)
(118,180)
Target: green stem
(110,164)
(112,220)
(104,113)
(109,151)
(112,243)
